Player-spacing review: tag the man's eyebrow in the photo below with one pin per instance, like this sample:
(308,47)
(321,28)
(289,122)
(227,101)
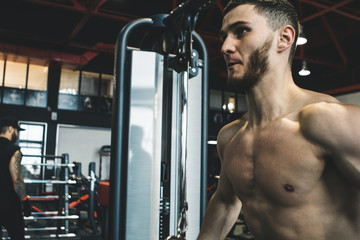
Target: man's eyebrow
(237,23)
(232,26)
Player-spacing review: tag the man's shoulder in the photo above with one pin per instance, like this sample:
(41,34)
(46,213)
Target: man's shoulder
(7,144)
(320,120)
(230,129)
(227,132)
(327,111)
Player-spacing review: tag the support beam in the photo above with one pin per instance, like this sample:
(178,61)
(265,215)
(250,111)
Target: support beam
(80,60)
(344,90)
(322,62)
(220,6)
(89,12)
(78,5)
(334,39)
(328,9)
(79,8)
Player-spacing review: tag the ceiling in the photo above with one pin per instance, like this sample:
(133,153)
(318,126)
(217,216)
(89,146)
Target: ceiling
(83,33)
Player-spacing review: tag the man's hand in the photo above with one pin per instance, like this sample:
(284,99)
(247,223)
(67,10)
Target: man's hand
(25,204)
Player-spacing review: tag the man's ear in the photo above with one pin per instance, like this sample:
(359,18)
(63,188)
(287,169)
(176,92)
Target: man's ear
(11,129)
(286,38)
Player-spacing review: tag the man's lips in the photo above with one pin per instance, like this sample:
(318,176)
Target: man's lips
(232,64)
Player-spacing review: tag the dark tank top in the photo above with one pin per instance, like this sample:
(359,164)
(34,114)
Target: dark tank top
(8,196)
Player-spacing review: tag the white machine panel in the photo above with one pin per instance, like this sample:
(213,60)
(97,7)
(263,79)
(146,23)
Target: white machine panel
(145,144)
(143,189)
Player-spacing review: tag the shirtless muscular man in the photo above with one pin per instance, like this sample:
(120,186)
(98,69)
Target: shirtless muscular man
(292,162)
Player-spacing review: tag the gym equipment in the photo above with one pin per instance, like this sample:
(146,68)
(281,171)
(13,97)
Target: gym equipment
(86,205)
(92,197)
(105,152)
(41,224)
(68,217)
(103,201)
(159,128)
(50,181)
(62,214)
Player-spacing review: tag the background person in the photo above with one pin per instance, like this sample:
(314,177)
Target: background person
(12,187)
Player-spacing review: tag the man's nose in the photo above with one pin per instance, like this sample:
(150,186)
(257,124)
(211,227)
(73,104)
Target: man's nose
(228,46)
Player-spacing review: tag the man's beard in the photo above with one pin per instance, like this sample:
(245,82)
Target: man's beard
(256,69)
(13,138)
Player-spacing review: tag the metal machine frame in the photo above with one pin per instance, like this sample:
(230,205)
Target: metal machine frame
(121,128)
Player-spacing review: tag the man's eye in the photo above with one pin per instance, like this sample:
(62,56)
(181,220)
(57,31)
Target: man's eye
(239,33)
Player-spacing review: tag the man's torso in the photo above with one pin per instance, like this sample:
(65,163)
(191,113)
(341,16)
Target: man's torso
(8,196)
(289,189)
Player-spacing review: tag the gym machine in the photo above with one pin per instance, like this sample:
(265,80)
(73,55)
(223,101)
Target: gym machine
(70,205)
(105,152)
(159,133)
(61,215)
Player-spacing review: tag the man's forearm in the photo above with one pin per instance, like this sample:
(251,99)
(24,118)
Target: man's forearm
(219,218)
(18,180)
(20,189)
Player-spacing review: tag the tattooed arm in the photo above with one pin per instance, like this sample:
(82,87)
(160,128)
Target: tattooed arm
(16,174)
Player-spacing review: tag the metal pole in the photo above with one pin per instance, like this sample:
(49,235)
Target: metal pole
(119,134)
(92,197)
(50,181)
(43,156)
(183,219)
(204,131)
(66,218)
(49,164)
(66,192)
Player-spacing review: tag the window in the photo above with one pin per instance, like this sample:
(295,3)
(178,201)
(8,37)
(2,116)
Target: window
(216,101)
(24,84)
(32,144)
(1,71)
(69,81)
(107,85)
(241,103)
(89,91)
(229,101)
(106,93)
(36,94)
(1,78)
(14,83)
(90,84)
(37,79)
(85,91)
(15,75)
(69,88)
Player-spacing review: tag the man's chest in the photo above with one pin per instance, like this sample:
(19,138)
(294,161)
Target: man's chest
(276,163)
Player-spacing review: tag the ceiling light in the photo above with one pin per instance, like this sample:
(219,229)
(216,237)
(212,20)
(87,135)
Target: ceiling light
(301,39)
(304,70)
(231,107)
(212,142)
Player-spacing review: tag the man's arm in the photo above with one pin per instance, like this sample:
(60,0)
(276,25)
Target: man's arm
(220,216)
(335,127)
(224,206)
(16,175)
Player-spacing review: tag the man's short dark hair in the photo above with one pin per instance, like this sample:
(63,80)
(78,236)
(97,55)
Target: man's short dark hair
(277,12)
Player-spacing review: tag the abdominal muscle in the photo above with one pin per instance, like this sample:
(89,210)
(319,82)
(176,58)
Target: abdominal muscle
(292,196)
(315,215)
(267,221)
(288,190)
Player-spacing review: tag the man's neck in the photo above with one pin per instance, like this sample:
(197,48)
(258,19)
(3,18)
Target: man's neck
(5,136)
(275,95)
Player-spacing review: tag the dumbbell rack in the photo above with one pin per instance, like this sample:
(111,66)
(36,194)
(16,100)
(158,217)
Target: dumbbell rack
(62,215)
